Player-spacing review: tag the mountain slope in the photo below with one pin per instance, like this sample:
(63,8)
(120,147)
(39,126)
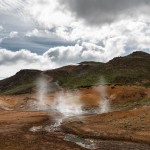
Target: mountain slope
(22,82)
(133,69)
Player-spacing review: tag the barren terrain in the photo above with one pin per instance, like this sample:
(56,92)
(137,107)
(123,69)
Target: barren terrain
(126,126)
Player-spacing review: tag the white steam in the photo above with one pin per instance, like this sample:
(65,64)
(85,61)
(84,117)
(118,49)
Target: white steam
(68,103)
(42,92)
(104,101)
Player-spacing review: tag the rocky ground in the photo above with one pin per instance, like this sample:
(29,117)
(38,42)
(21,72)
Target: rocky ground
(132,125)
(15,132)
(126,127)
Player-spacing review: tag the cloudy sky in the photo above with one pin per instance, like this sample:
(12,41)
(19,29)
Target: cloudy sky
(46,34)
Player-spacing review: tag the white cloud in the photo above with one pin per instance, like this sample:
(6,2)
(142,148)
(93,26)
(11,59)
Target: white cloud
(13,34)
(42,33)
(7,6)
(34,32)
(75,54)
(12,62)
(48,13)
(45,13)
(1,28)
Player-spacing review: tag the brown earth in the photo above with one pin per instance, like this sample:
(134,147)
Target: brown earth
(15,132)
(132,125)
(117,95)
(127,128)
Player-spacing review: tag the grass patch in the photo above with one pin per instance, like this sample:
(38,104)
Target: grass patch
(135,104)
(27,88)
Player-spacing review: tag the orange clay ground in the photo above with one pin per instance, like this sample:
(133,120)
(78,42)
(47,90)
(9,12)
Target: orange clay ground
(127,126)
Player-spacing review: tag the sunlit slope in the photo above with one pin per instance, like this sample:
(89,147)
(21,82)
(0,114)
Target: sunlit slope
(133,70)
(129,70)
(22,82)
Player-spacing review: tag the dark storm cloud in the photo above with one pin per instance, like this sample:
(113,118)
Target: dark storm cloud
(106,11)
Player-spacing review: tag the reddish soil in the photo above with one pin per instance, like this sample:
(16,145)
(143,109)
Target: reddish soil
(124,129)
(132,125)
(116,94)
(15,134)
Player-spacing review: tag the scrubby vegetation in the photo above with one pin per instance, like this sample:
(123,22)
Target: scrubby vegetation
(129,70)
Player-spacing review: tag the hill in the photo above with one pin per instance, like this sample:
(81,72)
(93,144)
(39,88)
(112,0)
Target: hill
(22,82)
(133,69)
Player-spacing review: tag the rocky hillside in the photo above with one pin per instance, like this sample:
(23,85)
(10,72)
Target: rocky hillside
(133,69)
(22,82)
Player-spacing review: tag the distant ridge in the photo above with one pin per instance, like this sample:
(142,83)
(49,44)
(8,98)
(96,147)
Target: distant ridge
(139,54)
(133,69)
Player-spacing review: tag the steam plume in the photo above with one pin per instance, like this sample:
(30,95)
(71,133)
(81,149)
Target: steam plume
(104,103)
(68,103)
(42,91)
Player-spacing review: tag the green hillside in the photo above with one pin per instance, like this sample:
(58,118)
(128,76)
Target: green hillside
(133,69)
